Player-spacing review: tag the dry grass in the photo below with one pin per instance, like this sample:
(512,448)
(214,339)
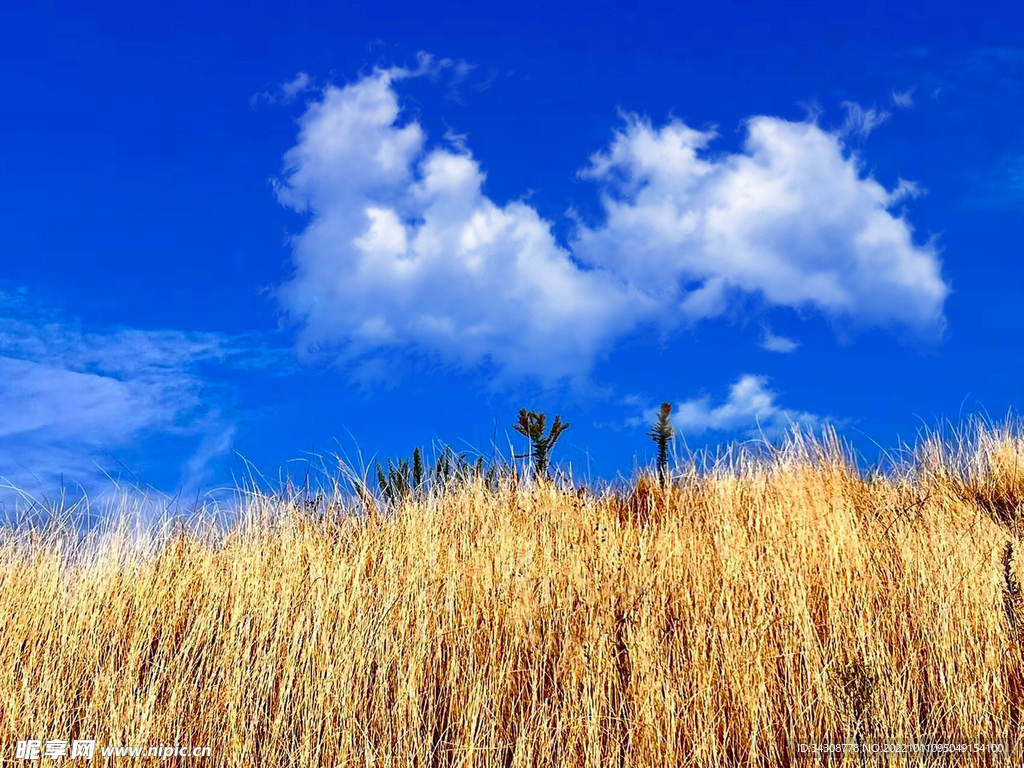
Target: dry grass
(757,605)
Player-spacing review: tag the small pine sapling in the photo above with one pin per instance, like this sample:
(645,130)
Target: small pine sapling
(417,468)
(531,425)
(662,433)
(442,469)
(395,484)
(451,467)
(401,480)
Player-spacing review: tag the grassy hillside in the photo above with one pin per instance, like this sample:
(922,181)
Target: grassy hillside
(753,606)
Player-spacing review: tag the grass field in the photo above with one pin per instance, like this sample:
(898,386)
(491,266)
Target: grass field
(756,605)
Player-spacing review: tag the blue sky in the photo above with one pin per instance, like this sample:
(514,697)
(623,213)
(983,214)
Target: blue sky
(263,231)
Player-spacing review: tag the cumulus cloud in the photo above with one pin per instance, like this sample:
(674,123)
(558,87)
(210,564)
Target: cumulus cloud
(904,99)
(403,250)
(750,407)
(791,218)
(774,343)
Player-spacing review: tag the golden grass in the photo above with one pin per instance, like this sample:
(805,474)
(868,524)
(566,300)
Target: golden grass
(754,607)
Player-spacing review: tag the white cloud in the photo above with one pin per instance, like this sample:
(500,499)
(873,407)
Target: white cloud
(774,343)
(403,250)
(904,99)
(750,407)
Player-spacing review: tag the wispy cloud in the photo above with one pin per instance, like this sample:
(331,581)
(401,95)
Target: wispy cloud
(216,442)
(286,91)
(300,83)
(861,121)
(904,99)
(1001,186)
(71,397)
(404,251)
(459,72)
(482,86)
(454,71)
